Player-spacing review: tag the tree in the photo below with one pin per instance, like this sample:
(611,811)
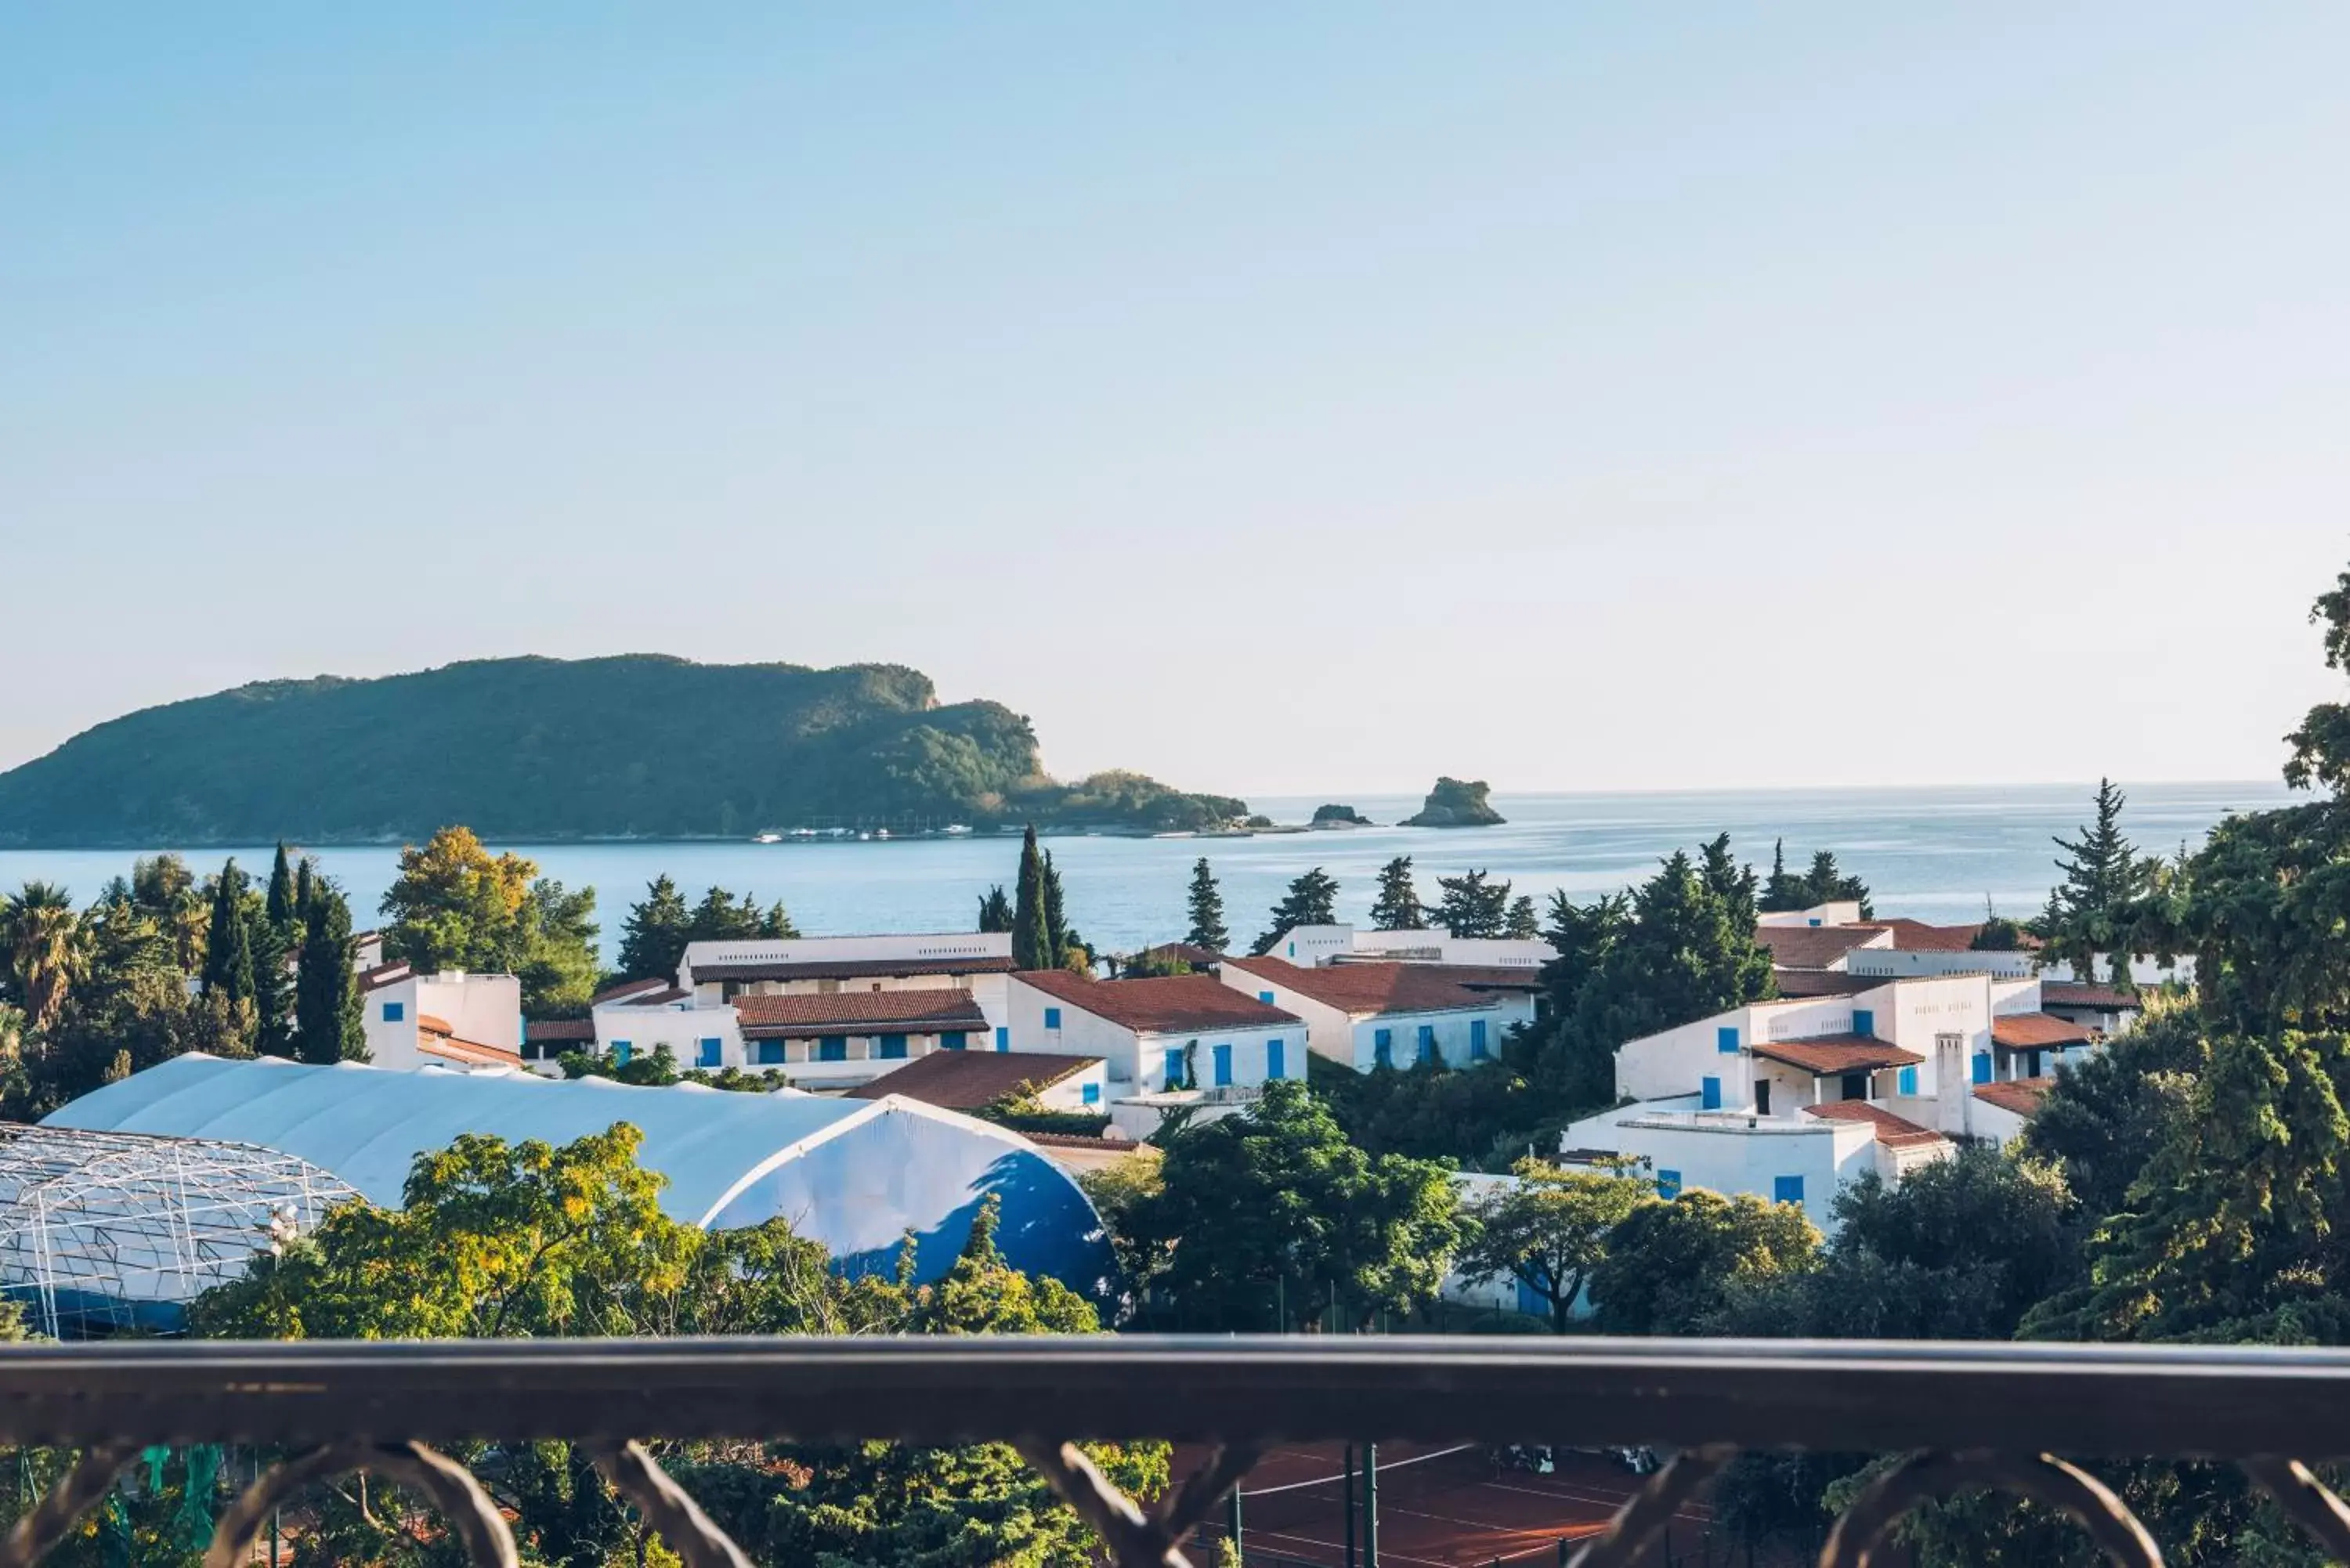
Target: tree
(1032,935)
(1671,1268)
(1397,907)
(1524,925)
(456,905)
(228,946)
(1274,1206)
(41,940)
(164,889)
(1825,883)
(1784,890)
(276,941)
(1312,900)
(721,917)
(1551,1229)
(1997,933)
(776,925)
(995,910)
(1473,907)
(1206,901)
(653,936)
(2096,908)
(328,1026)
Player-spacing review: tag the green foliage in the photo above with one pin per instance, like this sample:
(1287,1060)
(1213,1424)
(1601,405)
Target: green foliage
(995,910)
(228,945)
(1032,931)
(1344,816)
(1825,883)
(41,944)
(326,1006)
(1471,906)
(1022,1112)
(2105,1114)
(654,934)
(1997,933)
(723,917)
(1205,902)
(1312,900)
(2100,904)
(708,750)
(1551,1228)
(1397,907)
(456,905)
(1523,923)
(1455,804)
(1276,1202)
(1672,1268)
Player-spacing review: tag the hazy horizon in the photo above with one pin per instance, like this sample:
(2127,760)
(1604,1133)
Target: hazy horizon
(1655,400)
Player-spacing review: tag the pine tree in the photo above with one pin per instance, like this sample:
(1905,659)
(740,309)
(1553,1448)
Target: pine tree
(1398,906)
(228,942)
(2093,911)
(1524,924)
(776,923)
(1207,901)
(326,992)
(1473,907)
(1031,937)
(1312,900)
(1784,891)
(653,936)
(995,910)
(721,918)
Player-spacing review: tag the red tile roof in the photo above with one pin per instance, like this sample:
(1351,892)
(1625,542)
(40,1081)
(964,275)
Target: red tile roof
(2074,993)
(852,969)
(435,1039)
(1191,954)
(1366,990)
(1837,1054)
(2035,1031)
(923,1011)
(1814,946)
(1801,982)
(1163,1004)
(1489,976)
(1894,1132)
(628,988)
(540,1030)
(660,998)
(2021,1096)
(384,975)
(969,1080)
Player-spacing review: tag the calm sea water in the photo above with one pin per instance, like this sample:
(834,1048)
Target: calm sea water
(1931,854)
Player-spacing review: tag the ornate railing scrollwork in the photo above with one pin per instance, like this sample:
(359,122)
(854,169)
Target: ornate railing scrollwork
(1137,1537)
(636,1475)
(2040,1477)
(88,1479)
(1642,1522)
(450,1486)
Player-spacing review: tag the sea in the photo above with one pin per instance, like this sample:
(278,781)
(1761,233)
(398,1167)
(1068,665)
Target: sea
(1937,854)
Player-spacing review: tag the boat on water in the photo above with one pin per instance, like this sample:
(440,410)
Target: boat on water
(768,838)
(880,833)
(957,830)
(803,832)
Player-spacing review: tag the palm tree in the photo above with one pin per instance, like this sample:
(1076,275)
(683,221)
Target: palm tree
(41,943)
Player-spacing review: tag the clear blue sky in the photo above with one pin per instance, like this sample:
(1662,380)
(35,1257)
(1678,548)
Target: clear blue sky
(1273,397)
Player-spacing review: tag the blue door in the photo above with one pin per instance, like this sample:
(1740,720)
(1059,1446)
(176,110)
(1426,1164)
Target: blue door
(1864,1022)
(832,1048)
(1003,1039)
(1786,1189)
(952,1039)
(1383,1047)
(893,1047)
(1982,1067)
(1223,1066)
(709,1054)
(1709,1094)
(1476,1040)
(1274,1053)
(771,1053)
(1424,1045)
(1174,1068)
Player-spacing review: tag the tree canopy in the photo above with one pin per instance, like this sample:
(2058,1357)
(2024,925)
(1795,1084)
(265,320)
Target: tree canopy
(456,906)
(1312,900)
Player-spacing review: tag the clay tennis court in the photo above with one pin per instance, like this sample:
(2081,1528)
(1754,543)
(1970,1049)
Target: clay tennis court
(1439,1508)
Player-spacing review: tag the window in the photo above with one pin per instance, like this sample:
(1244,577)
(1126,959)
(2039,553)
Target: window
(621,1050)
(1174,1063)
(1476,1040)
(393,1012)
(1906,1081)
(1982,1067)
(893,1047)
(1762,1096)
(1853,1086)
(771,1053)
(1669,1184)
(953,1039)
(1424,1043)
(1052,1018)
(832,1048)
(1003,1039)
(1266,997)
(1864,1022)
(1223,1066)
(1090,1094)
(1725,1039)
(1813,921)
(1709,1094)
(1292,950)
(1383,1047)
(1274,1053)
(708,1053)
(1786,1189)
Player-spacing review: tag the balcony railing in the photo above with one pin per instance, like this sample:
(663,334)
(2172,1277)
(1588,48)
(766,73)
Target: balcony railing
(1971,1416)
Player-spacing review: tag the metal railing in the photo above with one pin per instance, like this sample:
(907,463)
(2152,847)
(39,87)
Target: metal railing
(1971,1416)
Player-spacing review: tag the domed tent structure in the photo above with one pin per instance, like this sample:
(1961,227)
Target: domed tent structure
(858,1175)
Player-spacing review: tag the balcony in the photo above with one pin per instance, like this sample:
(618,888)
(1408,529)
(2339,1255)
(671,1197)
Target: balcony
(1970,1416)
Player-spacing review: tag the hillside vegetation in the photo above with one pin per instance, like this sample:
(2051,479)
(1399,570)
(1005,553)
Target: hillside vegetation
(522,749)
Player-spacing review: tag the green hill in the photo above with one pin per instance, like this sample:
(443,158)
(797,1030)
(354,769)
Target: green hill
(523,749)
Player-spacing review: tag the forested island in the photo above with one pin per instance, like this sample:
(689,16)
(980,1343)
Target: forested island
(638,745)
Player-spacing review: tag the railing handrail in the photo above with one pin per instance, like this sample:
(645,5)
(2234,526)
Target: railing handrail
(1865,1395)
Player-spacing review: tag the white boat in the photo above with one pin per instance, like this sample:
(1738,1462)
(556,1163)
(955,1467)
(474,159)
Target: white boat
(768,838)
(880,833)
(803,832)
(957,830)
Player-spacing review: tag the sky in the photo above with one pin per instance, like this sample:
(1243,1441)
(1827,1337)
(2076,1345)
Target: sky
(1271,398)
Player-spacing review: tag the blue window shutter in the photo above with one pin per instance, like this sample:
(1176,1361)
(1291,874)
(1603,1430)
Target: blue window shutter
(711,1050)
(1383,1047)
(1424,1045)
(1292,950)
(1725,1039)
(1052,1018)
(771,1053)
(1273,1063)
(1813,921)
(1003,1039)
(1091,1093)
(1864,1022)
(1223,1066)
(393,1012)
(1786,1189)
(893,1047)
(832,1048)
(1669,1184)
(1982,1067)
(1709,1094)
(621,1050)
(1174,1068)
(1266,997)
(952,1039)
(1907,1082)
(1476,1039)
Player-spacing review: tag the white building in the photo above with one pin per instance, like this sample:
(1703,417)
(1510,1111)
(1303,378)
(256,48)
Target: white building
(1308,946)
(452,1018)
(972,1081)
(1368,1014)
(1171,1032)
(1792,1099)
(975,962)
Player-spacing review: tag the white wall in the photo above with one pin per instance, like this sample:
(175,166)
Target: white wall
(1353,1038)
(485,1009)
(1845,913)
(677,1025)
(1453,1042)
(1137,1059)
(1306,946)
(1733,1154)
(1898,961)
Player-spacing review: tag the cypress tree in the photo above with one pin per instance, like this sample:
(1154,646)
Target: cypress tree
(228,944)
(1032,939)
(276,942)
(326,992)
(1398,906)
(303,877)
(281,889)
(1056,919)
(1207,902)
